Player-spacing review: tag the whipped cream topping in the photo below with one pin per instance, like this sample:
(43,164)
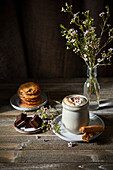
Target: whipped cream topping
(74,101)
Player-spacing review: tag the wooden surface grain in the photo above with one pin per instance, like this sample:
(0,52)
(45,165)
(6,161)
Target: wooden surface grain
(20,151)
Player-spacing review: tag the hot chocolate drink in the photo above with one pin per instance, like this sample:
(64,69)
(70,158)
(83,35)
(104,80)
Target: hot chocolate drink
(74,101)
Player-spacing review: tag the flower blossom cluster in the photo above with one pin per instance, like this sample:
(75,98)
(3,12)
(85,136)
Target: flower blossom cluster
(47,119)
(84,41)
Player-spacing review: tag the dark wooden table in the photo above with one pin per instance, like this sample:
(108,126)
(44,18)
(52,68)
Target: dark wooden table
(20,151)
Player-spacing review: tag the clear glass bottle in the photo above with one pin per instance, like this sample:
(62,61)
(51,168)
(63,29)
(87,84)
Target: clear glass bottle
(92,88)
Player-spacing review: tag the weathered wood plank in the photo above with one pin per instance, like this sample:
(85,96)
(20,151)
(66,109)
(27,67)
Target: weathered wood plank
(51,143)
(56,166)
(50,156)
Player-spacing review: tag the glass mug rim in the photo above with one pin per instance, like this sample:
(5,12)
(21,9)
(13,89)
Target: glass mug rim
(72,108)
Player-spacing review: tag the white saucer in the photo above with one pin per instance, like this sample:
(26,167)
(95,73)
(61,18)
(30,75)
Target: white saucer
(68,136)
(14,101)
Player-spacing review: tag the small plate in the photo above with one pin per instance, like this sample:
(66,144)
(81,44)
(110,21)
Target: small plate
(14,101)
(26,130)
(68,136)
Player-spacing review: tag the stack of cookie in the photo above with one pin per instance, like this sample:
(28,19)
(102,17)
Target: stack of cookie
(29,94)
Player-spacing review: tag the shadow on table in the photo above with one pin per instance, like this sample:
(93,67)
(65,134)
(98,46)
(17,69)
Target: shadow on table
(107,136)
(105,103)
(7,108)
(105,112)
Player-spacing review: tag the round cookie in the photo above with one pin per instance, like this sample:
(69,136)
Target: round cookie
(29,88)
(36,102)
(27,105)
(28,97)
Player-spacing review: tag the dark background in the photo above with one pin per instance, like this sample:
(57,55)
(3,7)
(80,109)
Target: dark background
(31,45)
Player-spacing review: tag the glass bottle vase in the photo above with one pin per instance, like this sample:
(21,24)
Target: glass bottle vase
(92,88)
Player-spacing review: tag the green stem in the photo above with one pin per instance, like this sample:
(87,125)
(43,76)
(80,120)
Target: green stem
(108,41)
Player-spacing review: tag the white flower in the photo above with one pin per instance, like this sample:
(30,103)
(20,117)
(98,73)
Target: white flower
(63,10)
(37,137)
(51,128)
(85,59)
(111,37)
(47,112)
(45,109)
(110,49)
(72,41)
(75,15)
(50,122)
(84,22)
(74,49)
(45,121)
(67,48)
(70,144)
(93,27)
(91,42)
(72,20)
(85,55)
(86,32)
(108,25)
(42,117)
(38,111)
(98,60)
(42,108)
(86,47)
(101,14)
(70,30)
(73,33)
(67,37)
